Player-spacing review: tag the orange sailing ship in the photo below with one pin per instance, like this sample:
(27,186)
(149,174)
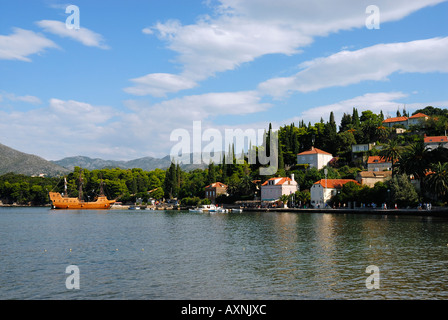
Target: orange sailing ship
(59,201)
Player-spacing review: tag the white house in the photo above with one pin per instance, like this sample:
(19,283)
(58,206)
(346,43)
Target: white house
(377,163)
(434,142)
(274,188)
(323,190)
(416,119)
(314,158)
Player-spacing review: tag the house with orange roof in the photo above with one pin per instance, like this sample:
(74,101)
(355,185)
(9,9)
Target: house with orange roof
(274,188)
(323,190)
(214,190)
(314,158)
(377,163)
(390,122)
(434,142)
(416,119)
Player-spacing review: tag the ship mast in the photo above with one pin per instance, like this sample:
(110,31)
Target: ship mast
(80,186)
(65,187)
(101,188)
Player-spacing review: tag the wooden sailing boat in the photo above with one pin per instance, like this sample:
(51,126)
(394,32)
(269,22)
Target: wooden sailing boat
(64,202)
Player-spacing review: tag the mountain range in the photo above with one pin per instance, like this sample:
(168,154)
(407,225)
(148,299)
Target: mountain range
(15,161)
(18,162)
(145,163)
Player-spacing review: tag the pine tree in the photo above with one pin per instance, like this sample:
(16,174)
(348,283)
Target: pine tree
(346,122)
(170,185)
(355,119)
(211,178)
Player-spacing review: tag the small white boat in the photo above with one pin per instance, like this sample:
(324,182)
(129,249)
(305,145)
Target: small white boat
(195,210)
(237,210)
(209,208)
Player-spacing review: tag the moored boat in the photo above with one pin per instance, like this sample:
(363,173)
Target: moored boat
(59,201)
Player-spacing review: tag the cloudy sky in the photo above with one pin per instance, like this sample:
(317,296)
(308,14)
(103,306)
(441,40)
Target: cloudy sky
(135,71)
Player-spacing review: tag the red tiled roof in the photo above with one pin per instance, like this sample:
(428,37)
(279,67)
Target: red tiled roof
(334,183)
(377,159)
(419,115)
(437,139)
(314,151)
(396,119)
(216,184)
(282,181)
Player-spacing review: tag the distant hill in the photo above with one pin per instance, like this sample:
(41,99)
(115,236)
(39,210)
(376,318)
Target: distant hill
(146,163)
(15,161)
(18,162)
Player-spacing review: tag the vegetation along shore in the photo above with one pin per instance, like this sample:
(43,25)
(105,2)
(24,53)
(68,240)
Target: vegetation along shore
(417,174)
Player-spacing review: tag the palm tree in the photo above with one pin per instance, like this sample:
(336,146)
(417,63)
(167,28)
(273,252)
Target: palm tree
(437,180)
(392,152)
(415,161)
(284,199)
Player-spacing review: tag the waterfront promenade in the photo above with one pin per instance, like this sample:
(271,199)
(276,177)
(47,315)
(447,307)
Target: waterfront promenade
(435,212)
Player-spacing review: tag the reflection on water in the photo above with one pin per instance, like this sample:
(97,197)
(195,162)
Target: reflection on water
(180,255)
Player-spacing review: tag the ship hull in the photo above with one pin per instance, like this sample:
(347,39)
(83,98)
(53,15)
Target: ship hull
(59,202)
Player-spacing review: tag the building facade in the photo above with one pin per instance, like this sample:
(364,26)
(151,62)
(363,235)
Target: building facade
(214,190)
(416,119)
(377,163)
(323,190)
(436,141)
(315,158)
(274,188)
(369,178)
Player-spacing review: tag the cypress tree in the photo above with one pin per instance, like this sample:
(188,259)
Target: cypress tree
(355,119)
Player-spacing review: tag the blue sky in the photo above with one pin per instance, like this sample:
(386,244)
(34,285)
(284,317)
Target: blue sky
(137,70)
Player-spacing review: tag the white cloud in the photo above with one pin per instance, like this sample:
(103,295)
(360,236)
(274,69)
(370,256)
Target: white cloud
(372,63)
(375,102)
(68,127)
(245,30)
(27,98)
(158,84)
(82,35)
(71,127)
(23,43)
(387,102)
(319,18)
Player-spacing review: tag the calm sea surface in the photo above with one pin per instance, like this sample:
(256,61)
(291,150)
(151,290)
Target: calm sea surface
(123,254)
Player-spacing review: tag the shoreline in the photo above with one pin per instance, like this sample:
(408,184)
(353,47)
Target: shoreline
(436,212)
(441,212)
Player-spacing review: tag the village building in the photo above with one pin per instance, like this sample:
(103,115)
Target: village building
(369,178)
(315,158)
(434,142)
(390,122)
(416,119)
(323,190)
(274,188)
(362,150)
(377,163)
(214,190)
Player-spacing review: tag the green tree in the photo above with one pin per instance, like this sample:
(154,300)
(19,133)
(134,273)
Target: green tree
(346,123)
(403,192)
(391,151)
(170,184)
(437,180)
(415,161)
